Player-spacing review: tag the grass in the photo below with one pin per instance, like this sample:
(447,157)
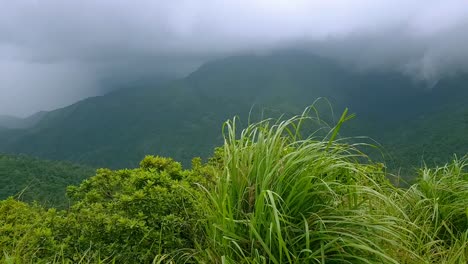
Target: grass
(284,199)
(437,206)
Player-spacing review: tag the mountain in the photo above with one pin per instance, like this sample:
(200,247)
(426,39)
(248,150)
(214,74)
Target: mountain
(183,118)
(35,179)
(13,122)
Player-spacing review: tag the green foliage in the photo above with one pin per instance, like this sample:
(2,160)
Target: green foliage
(280,198)
(268,195)
(133,215)
(159,164)
(437,206)
(283,199)
(26,232)
(125,215)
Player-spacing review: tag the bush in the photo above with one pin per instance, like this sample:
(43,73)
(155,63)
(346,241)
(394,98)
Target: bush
(26,232)
(125,216)
(134,215)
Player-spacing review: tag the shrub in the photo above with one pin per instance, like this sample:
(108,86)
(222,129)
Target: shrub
(134,215)
(123,216)
(26,231)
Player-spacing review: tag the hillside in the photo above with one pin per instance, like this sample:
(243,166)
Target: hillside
(430,138)
(182,118)
(45,181)
(13,122)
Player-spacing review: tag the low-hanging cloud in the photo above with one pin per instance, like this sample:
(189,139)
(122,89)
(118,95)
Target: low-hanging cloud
(53,52)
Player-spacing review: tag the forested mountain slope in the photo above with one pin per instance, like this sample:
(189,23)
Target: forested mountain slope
(30,178)
(430,138)
(183,118)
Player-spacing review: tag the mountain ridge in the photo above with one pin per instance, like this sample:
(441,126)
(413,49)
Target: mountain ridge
(13,122)
(183,118)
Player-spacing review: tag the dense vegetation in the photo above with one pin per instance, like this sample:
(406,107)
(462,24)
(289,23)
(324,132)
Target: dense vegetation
(271,194)
(126,215)
(29,178)
(181,119)
(432,137)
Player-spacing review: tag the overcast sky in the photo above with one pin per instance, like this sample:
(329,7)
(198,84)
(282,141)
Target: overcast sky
(54,52)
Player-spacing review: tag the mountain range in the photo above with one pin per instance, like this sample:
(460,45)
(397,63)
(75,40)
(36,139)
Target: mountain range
(183,118)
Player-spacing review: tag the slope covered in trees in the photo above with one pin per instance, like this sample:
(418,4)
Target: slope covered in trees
(181,118)
(45,181)
(430,138)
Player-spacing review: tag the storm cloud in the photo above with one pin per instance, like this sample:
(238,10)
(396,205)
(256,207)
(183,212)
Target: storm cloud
(54,52)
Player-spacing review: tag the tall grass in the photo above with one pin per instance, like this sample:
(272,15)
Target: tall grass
(437,206)
(284,199)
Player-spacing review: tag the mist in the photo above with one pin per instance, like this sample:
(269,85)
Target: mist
(54,52)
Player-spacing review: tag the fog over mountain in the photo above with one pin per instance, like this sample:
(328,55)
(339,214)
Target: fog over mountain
(54,52)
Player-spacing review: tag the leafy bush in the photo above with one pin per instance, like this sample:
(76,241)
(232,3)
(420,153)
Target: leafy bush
(26,231)
(127,215)
(133,215)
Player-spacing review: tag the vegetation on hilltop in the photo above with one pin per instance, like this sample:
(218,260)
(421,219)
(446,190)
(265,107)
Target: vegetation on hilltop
(271,194)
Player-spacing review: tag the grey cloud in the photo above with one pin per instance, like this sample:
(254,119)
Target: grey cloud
(61,50)
(28,87)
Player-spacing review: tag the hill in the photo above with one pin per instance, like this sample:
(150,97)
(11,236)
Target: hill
(182,118)
(13,122)
(30,178)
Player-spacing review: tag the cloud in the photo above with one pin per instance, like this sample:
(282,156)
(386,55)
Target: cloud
(28,87)
(45,45)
